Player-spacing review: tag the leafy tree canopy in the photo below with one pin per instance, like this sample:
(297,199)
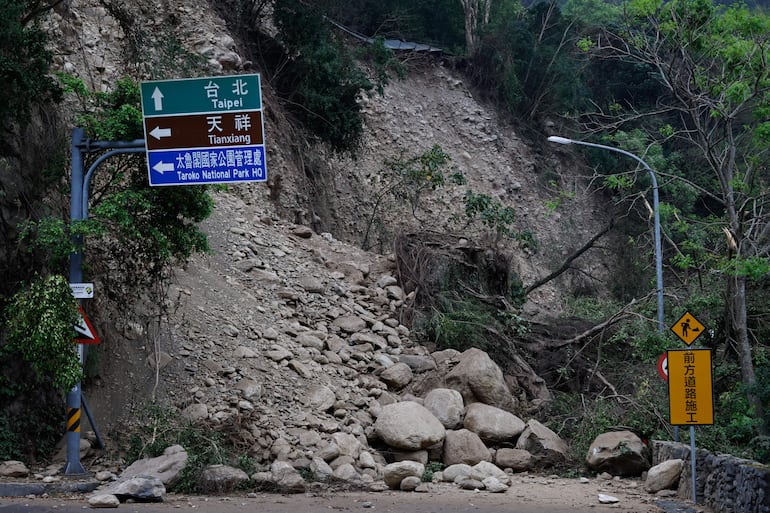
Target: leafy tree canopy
(24,61)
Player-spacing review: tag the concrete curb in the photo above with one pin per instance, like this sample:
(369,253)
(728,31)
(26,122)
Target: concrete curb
(37,488)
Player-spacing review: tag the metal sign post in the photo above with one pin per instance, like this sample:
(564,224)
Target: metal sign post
(690,385)
(79,212)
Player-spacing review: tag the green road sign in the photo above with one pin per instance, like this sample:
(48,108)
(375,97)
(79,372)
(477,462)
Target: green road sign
(204,130)
(201,95)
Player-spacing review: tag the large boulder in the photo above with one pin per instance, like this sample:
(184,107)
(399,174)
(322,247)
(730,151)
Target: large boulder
(492,424)
(394,473)
(620,453)
(167,467)
(545,446)
(479,379)
(137,488)
(447,405)
(518,460)
(408,425)
(397,376)
(221,478)
(464,446)
(663,476)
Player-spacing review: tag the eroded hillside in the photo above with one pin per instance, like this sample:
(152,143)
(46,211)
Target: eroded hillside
(253,335)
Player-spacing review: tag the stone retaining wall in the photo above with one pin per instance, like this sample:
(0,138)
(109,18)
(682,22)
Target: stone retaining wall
(724,483)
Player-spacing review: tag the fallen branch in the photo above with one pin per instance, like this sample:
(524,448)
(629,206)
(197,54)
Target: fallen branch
(588,245)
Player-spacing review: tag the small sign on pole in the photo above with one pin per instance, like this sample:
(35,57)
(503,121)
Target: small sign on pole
(688,328)
(82,290)
(86,334)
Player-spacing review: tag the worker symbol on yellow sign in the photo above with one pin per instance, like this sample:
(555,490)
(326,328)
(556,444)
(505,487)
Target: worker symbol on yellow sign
(688,328)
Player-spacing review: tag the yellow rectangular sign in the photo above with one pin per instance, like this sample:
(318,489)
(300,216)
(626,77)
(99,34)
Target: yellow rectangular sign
(690,387)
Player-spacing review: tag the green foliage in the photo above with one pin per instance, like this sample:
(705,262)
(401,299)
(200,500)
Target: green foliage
(113,115)
(322,82)
(39,322)
(596,13)
(24,63)
(580,420)
(459,324)
(383,63)
(407,179)
(142,228)
(462,323)
(528,64)
(491,212)
(431,468)
(159,427)
(9,441)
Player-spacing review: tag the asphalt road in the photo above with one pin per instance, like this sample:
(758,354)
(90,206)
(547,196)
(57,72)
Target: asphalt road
(386,502)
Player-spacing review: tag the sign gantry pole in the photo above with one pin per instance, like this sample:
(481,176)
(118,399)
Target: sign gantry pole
(79,212)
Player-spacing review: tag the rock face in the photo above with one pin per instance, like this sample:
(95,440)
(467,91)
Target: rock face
(620,453)
(293,338)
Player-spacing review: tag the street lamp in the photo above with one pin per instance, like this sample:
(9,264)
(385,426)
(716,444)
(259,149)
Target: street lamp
(656,215)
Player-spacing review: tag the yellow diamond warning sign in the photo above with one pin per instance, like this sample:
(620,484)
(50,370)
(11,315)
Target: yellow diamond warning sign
(688,328)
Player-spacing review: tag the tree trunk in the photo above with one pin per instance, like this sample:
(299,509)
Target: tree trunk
(737,313)
(471,9)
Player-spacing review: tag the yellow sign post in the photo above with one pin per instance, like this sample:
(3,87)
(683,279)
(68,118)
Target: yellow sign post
(690,387)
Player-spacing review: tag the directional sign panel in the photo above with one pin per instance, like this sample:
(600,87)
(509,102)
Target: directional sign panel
(688,328)
(204,130)
(690,387)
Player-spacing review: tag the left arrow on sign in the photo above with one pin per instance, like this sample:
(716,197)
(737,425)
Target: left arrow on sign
(161,167)
(159,132)
(157,97)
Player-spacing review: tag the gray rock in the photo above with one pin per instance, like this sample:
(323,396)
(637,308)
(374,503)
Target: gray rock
(493,485)
(664,475)
(492,424)
(447,405)
(394,473)
(518,460)
(221,478)
(13,468)
(138,488)
(320,469)
(287,478)
(478,378)
(464,446)
(103,500)
(397,376)
(349,323)
(621,453)
(410,483)
(545,445)
(167,467)
(408,425)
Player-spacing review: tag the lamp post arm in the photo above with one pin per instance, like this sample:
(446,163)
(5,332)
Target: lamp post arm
(655,210)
